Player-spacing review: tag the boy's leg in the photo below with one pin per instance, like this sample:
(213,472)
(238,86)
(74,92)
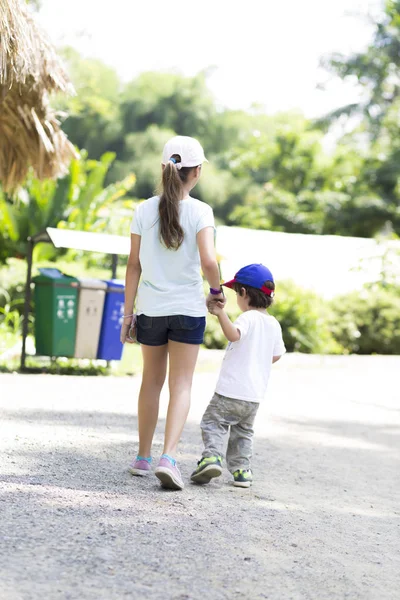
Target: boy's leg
(214,428)
(240,445)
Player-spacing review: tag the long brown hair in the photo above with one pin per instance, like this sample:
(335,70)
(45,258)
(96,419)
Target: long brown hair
(171,232)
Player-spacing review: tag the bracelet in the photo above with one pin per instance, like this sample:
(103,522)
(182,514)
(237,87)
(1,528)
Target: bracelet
(215,292)
(126,316)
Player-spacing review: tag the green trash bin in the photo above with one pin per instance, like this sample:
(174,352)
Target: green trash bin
(56,299)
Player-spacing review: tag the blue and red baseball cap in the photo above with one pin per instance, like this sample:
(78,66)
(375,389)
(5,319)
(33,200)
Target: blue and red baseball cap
(255,276)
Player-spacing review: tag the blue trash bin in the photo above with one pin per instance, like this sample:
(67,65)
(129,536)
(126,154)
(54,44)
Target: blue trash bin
(110,347)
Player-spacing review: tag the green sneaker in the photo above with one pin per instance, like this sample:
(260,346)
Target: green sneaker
(243,478)
(207,469)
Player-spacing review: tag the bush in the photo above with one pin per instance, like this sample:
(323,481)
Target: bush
(305,320)
(304,317)
(368,322)
(12,283)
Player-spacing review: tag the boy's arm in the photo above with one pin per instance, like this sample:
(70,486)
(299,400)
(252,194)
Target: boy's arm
(231,333)
(279,346)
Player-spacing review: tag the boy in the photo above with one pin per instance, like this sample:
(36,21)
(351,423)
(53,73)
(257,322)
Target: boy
(255,342)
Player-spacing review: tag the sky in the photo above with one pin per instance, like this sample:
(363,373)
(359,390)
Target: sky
(263,52)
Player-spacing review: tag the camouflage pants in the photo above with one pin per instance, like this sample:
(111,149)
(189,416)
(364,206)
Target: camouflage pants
(221,415)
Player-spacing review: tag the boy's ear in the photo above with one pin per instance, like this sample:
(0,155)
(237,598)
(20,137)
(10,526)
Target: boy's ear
(243,292)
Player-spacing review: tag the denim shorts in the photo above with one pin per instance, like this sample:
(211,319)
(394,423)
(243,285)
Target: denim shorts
(156,331)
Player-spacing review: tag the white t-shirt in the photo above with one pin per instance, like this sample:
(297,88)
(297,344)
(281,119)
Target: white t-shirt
(247,363)
(171,281)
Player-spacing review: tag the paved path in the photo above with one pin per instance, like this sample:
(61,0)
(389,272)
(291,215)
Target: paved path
(322,521)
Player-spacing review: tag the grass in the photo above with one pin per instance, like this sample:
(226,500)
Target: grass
(131,363)
(8,339)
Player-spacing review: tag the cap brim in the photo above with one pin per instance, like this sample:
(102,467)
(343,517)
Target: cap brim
(199,163)
(230,284)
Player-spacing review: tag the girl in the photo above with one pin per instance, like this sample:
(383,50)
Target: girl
(172,235)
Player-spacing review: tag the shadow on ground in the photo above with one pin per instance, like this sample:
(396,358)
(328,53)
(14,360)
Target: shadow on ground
(321,521)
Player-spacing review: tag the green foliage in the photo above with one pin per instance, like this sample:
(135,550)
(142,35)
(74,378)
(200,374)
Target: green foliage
(10,318)
(142,149)
(171,101)
(362,322)
(304,318)
(94,117)
(12,283)
(377,70)
(322,213)
(368,322)
(79,200)
(214,339)
(11,305)
(73,367)
(89,200)
(265,172)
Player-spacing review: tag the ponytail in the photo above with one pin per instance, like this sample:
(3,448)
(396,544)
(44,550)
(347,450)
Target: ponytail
(173,177)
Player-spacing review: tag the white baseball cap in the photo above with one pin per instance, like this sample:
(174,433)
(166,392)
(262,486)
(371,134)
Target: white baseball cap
(189,149)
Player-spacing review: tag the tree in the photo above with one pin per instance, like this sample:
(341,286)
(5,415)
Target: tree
(378,71)
(264,172)
(80,200)
(93,115)
(182,104)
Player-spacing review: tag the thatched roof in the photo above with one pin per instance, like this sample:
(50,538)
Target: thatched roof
(30,70)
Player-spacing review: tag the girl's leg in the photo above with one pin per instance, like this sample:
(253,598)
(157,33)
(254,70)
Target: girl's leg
(154,372)
(182,362)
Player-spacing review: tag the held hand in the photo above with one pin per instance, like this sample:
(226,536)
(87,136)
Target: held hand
(215,304)
(212,300)
(216,308)
(128,331)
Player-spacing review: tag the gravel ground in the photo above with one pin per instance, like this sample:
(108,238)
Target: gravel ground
(321,521)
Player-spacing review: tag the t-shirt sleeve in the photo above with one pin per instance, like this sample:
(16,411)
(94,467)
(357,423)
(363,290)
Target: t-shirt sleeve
(205,218)
(243,324)
(136,225)
(279,346)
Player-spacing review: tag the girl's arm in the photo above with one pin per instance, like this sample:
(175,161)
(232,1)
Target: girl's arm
(208,259)
(133,272)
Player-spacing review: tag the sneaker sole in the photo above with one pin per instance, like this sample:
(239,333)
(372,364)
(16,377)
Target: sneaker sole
(208,473)
(242,484)
(139,472)
(167,479)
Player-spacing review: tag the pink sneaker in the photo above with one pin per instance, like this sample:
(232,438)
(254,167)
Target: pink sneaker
(169,474)
(141,466)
